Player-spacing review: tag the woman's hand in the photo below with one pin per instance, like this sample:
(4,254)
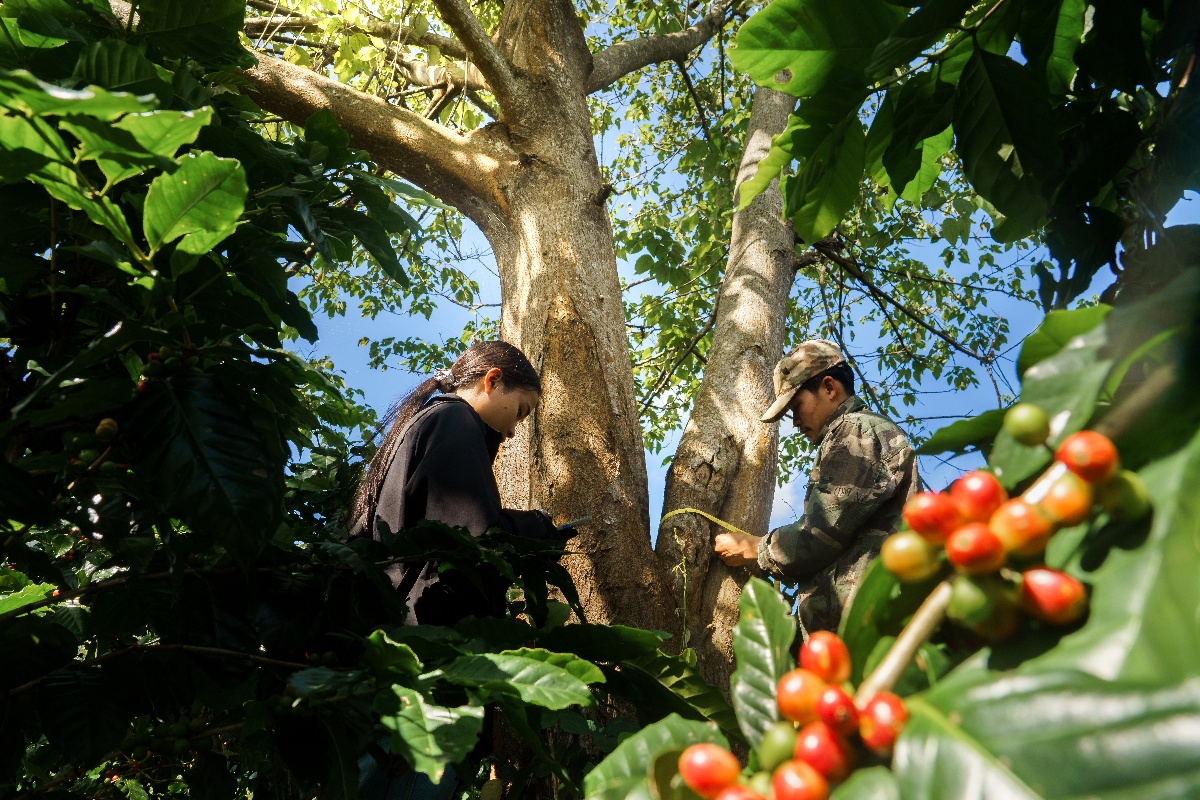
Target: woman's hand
(736,549)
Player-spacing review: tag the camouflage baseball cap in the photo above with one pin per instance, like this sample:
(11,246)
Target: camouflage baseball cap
(806,360)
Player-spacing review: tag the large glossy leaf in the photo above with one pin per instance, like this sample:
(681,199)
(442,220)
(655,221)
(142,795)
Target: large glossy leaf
(21,91)
(827,185)
(1066,387)
(1005,135)
(428,736)
(629,765)
(924,27)
(1059,734)
(204,198)
(871,783)
(812,124)
(33,593)
(697,698)
(803,46)
(374,238)
(205,462)
(1145,596)
(585,671)
(160,133)
(535,681)
(762,640)
(1055,330)
(120,67)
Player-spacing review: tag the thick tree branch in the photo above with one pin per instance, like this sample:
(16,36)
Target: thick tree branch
(614,63)
(430,155)
(284,20)
(481,51)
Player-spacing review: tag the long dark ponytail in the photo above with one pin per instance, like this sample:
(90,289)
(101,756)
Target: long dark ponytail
(472,365)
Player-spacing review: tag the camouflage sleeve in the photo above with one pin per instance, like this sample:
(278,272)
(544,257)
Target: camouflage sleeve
(858,474)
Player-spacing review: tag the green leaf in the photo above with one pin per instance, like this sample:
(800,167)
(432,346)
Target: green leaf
(699,699)
(120,67)
(924,27)
(881,607)
(1005,136)
(428,736)
(924,165)
(602,642)
(322,127)
(1068,32)
(585,671)
(828,183)
(762,639)
(1144,596)
(1066,387)
(164,132)
(871,783)
(372,236)
(1059,734)
(535,681)
(204,196)
(22,92)
(628,767)
(33,593)
(342,781)
(200,28)
(390,658)
(805,46)
(15,42)
(1055,330)
(965,435)
(205,462)
(936,760)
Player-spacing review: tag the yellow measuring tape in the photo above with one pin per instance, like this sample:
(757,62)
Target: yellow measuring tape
(707,516)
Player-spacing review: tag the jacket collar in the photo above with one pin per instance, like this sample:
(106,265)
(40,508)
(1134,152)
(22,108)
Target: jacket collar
(848,406)
(492,438)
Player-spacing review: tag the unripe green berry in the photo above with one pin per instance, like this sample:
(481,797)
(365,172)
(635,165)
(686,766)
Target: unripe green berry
(1027,423)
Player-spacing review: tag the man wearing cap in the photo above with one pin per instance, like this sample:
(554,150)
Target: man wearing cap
(863,473)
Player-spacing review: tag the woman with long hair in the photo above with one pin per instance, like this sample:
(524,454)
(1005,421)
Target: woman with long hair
(435,463)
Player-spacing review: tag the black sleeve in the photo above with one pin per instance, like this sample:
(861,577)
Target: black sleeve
(455,480)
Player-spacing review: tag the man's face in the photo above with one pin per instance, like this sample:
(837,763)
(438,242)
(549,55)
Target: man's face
(810,410)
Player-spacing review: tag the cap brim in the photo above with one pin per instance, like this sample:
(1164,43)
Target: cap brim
(779,407)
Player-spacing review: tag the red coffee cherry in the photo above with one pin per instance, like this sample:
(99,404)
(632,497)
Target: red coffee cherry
(796,780)
(1022,528)
(934,515)
(881,721)
(837,710)
(909,556)
(1069,500)
(1052,596)
(796,695)
(975,550)
(736,792)
(826,655)
(1090,455)
(708,768)
(822,747)
(978,494)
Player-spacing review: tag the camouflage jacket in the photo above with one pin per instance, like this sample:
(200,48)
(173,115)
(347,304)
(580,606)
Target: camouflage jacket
(864,472)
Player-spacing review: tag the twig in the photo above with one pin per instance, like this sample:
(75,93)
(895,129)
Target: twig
(666,374)
(687,81)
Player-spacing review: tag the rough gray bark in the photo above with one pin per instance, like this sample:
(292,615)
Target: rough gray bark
(725,462)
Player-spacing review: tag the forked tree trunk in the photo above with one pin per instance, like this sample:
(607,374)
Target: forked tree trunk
(725,462)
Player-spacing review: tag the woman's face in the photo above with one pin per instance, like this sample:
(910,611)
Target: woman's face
(500,407)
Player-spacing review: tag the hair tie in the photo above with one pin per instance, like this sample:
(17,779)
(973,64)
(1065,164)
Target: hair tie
(445,379)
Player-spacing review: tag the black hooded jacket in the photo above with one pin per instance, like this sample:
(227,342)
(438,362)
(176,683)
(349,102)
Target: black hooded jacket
(442,470)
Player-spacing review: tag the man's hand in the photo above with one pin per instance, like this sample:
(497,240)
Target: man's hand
(736,549)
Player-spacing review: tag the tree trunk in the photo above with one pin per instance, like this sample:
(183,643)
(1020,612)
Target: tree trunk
(725,462)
